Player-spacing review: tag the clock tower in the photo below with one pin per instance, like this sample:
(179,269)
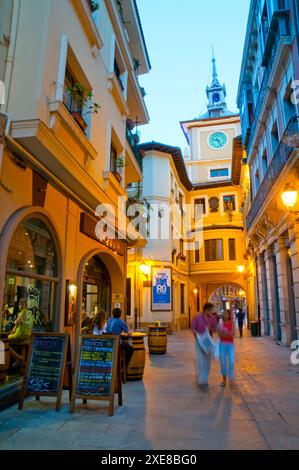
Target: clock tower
(211,137)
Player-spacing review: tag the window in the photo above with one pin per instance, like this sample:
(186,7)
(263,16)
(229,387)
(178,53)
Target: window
(274,137)
(288,106)
(216,98)
(183,287)
(32,274)
(229,203)
(118,74)
(200,204)
(182,247)
(265,162)
(214,250)
(257,181)
(232,249)
(113,158)
(72,103)
(219,173)
(197,254)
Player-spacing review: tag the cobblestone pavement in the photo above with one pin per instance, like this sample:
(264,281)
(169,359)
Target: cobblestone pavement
(168,411)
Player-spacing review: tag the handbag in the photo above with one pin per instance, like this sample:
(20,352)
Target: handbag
(205,342)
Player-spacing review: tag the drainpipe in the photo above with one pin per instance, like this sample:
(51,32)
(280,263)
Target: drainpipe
(4,130)
(11,51)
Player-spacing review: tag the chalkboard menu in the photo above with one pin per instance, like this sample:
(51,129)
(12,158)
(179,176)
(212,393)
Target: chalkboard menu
(45,366)
(97,367)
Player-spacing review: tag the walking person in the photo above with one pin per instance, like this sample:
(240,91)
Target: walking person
(240,317)
(226,331)
(200,324)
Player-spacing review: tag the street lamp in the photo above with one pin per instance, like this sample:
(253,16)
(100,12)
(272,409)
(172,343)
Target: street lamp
(145,269)
(289,197)
(241,268)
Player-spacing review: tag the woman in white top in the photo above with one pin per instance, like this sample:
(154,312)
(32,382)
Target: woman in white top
(99,323)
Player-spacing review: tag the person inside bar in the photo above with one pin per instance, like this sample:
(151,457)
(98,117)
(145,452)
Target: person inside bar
(23,327)
(117,326)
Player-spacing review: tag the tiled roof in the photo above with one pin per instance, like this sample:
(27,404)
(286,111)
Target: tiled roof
(177,158)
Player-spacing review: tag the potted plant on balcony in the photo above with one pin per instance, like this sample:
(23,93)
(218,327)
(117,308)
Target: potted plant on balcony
(82,104)
(94,5)
(119,164)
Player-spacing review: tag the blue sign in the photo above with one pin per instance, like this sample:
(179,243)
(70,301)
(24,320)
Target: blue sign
(161,290)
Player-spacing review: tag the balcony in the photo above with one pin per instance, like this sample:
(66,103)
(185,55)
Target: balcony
(288,144)
(278,41)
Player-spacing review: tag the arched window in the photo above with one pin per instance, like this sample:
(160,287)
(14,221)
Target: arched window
(216,97)
(32,273)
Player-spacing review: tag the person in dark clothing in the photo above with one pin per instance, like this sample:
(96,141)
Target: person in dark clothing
(240,317)
(116,326)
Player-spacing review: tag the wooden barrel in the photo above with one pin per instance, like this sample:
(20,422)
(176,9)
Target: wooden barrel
(157,339)
(135,369)
(4,359)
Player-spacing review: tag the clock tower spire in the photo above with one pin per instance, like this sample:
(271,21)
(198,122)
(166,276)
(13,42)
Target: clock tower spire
(216,94)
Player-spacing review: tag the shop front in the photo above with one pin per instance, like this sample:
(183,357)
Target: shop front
(31,274)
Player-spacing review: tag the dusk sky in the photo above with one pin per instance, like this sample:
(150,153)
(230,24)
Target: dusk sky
(179,36)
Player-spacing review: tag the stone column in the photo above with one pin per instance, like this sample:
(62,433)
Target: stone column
(294,247)
(271,290)
(261,291)
(284,305)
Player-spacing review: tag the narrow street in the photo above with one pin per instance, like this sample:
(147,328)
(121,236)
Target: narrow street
(167,410)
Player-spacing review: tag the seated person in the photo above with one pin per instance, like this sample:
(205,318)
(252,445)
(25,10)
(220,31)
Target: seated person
(85,323)
(23,327)
(116,326)
(99,324)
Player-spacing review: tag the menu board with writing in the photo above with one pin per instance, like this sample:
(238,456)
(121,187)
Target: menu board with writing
(96,374)
(45,366)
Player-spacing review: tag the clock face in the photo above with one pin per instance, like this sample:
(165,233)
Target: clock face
(217,140)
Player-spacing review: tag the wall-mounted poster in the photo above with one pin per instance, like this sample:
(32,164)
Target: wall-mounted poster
(161,289)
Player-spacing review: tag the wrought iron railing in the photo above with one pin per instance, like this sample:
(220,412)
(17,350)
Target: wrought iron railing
(133,140)
(288,143)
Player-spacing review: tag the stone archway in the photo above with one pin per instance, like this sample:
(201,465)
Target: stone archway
(115,273)
(229,295)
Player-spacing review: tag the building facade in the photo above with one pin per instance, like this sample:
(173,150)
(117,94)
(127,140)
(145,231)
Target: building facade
(268,102)
(208,188)
(68,144)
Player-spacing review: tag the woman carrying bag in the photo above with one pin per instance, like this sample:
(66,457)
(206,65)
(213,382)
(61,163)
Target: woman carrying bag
(203,326)
(226,331)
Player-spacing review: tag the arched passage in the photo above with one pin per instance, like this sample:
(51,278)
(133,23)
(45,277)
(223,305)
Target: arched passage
(228,296)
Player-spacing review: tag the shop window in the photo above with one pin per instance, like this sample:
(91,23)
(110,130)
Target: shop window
(32,275)
(214,250)
(229,203)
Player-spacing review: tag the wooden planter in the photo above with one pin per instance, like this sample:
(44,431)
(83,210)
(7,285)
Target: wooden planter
(80,121)
(117,176)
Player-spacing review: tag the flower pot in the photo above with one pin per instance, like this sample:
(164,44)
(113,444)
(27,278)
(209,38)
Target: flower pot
(80,121)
